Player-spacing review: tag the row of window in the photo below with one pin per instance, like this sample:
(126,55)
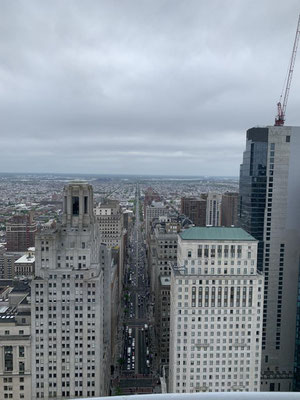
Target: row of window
(220,251)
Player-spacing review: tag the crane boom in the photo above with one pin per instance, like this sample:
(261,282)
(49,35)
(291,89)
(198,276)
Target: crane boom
(281,108)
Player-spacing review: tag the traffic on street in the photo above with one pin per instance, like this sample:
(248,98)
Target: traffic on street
(136,355)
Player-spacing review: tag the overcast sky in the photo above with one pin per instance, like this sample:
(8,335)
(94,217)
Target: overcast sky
(140,86)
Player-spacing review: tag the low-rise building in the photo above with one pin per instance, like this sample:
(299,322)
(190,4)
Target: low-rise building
(15,341)
(25,265)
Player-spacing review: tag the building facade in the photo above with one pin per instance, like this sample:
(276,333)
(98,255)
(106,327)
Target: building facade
(162,320)
(15,341)
(216,312)
(162,249)
(195,209)
(155,210)
(229,209)
(7,264)
(20,232)
(213,209)
(269,209)
(24,267)
(71,304)
(110,218)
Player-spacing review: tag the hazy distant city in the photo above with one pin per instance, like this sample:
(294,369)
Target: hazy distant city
(43,192)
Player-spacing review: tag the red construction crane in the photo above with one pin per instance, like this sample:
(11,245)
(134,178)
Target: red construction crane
(279,120)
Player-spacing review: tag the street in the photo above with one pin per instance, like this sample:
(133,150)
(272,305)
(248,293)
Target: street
(136,365)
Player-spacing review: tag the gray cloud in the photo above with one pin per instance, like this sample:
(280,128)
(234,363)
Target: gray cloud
(162,86)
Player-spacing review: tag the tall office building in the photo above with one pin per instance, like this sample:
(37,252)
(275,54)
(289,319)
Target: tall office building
(216,312)
(269,209)
(213,209)
(162,320)
(20,232)
(149,196)
(7,264)
(195,209)
(162,248)
(71,304)
(110,218)
(229,209)
(154,210)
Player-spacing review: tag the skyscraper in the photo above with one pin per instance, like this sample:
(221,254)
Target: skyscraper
(110,218)
(70,304)
(216,312)
(213,209)
(269,209)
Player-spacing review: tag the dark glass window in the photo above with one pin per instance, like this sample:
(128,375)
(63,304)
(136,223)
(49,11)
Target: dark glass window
(8,358)
(75,205)
(85,204)
(21,367)
(21,351)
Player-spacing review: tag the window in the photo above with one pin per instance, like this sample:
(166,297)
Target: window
(85,204)
(288,139)
(21,351)
(75,205)
(8,358)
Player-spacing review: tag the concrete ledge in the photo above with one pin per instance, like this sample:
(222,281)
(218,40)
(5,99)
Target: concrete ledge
(209,396)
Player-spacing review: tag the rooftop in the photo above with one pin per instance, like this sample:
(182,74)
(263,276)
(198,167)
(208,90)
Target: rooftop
(215,233)
(25,259)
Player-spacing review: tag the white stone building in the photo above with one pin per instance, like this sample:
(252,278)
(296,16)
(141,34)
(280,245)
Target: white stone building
(216,312)
(24,266)
(110,218)
(70,304)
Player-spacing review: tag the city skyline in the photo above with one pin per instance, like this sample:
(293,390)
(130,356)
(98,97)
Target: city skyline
(106,88)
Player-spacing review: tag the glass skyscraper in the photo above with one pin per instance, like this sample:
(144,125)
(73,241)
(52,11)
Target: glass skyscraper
(269,209)
(253,183)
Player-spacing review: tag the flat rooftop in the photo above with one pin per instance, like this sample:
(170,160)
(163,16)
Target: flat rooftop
(25,259)
(215,233)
